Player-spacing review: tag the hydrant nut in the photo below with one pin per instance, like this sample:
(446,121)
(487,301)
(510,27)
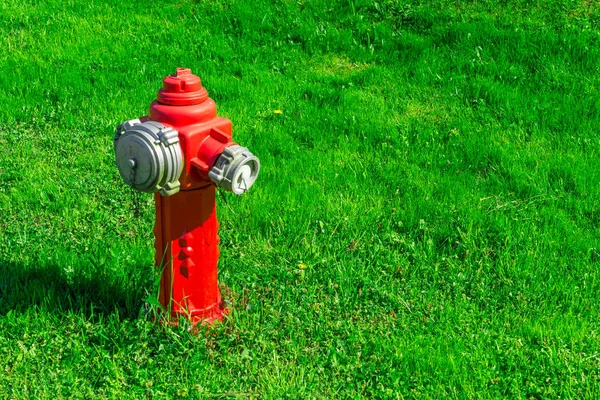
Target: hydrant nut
(127,125)
(169,136)
(216,174)
(170,188)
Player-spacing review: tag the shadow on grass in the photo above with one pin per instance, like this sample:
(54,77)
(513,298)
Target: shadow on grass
(50,288)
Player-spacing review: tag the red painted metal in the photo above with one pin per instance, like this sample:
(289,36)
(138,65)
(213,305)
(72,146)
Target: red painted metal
(186,223)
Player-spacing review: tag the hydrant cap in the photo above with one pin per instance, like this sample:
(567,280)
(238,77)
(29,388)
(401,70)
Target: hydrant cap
(235,170)
(182,89)
(148,156)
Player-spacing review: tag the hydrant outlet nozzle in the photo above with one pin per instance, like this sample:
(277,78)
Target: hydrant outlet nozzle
(148,156)
(235,170)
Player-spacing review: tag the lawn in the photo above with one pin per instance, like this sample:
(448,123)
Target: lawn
(426,223)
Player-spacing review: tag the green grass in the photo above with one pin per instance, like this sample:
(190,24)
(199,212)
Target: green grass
(435,168)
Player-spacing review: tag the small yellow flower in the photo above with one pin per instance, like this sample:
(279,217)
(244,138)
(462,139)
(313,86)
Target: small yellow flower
(302,266)
(278,112)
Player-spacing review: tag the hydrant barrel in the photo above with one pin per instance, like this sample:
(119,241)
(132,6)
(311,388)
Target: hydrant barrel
(182,151)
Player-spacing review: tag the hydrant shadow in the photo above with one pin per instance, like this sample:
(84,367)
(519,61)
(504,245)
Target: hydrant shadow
(49,288)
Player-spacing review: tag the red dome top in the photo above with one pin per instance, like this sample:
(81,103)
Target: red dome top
(182,89)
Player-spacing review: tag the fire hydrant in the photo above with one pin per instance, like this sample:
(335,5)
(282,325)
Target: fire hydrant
(182,151)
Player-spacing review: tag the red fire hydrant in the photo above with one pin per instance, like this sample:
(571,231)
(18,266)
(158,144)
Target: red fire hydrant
(182,151)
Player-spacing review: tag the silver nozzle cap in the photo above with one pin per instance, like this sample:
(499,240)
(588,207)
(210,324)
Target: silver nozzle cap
(235,170)
(148,156)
